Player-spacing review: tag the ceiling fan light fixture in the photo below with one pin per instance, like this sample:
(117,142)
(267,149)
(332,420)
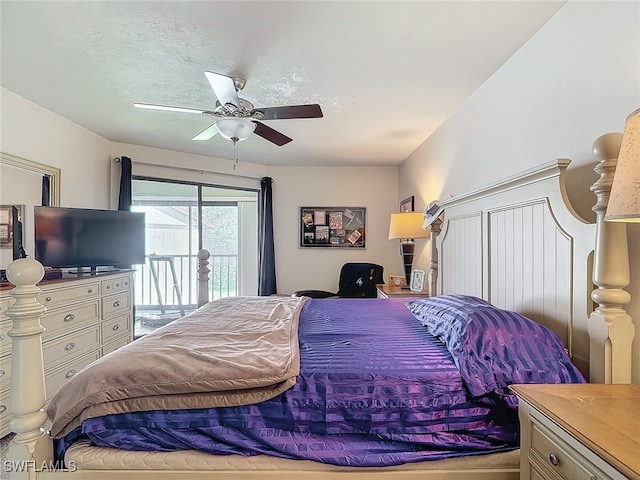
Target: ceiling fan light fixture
(235,129)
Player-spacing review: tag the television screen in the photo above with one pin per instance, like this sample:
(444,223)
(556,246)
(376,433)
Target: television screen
(77,237)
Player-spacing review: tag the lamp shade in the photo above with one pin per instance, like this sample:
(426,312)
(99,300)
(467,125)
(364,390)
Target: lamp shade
(235,128)
(624,201)
(406,225)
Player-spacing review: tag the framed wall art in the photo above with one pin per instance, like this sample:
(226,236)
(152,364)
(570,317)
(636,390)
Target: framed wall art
(332,227)
(406,205)
(10,224)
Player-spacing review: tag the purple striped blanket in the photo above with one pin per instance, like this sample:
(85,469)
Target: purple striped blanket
(375,388)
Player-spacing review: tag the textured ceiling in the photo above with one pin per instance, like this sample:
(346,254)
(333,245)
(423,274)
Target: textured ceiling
(386,74)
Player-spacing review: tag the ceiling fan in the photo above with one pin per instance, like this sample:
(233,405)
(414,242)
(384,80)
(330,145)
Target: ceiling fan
(237,118)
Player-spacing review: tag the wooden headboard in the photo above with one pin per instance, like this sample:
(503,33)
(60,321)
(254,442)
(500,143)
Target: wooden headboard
(519,244)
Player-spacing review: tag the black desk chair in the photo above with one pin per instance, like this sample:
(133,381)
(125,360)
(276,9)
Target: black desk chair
(357,280)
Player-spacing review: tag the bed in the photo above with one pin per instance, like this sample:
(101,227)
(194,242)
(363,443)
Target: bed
(479,224)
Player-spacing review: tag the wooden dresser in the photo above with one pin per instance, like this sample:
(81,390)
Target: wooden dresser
(86,318)
(575,432)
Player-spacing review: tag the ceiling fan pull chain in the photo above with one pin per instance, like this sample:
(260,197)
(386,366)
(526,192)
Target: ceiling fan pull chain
(235,151)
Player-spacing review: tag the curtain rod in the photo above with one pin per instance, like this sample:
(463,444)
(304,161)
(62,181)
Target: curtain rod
(190,169)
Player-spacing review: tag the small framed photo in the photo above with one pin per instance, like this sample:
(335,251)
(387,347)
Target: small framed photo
(406,205)
(397,280)
(417,281)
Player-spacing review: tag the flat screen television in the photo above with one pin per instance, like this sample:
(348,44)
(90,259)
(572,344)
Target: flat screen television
(81,238)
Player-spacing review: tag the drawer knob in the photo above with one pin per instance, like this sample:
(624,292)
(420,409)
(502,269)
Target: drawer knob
(70,374)
(90,290)
(48,299)
(116,304)
(70,346)
(2,373)
(553,459)
(1,337)
(108,287)
(116,327)
(117,284)
(3,409)
(69,317)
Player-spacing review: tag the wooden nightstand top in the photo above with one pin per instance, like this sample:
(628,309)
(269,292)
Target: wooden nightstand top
(603,417)
(387,291)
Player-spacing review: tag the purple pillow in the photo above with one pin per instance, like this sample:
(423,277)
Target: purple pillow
(494,348)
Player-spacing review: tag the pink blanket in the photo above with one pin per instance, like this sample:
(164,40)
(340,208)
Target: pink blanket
(232,351)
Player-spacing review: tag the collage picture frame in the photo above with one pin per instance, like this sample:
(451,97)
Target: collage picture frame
(333,227)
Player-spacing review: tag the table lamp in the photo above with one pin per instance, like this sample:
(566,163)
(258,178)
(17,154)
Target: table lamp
(624,200)
(406,227)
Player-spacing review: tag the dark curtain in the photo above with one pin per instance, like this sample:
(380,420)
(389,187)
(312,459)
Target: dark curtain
(124,198)
(46,191)
(266,255)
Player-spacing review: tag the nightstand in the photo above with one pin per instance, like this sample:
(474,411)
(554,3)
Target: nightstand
(579,431)
(392,291)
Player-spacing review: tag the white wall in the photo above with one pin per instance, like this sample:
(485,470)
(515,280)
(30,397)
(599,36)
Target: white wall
(34,133)
(90,179)
(576,79)
(318,268)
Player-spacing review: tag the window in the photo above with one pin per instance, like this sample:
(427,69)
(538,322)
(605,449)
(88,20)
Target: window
(181,219)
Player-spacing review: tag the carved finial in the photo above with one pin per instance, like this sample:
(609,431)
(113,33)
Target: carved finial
(605,149)
(607,146)
(25,272)
(203,254)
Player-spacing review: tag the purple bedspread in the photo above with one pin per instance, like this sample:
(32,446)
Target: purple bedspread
(375,389)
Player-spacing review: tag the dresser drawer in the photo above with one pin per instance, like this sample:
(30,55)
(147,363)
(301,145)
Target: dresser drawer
(69,294)
(5,339)
(556,456)
(116,344)
(58,377)
(62,320)
(5,303)
(116,304)
(115,285)
(72,345)
(5,325)
(5,412)
(115,327)
(5,372)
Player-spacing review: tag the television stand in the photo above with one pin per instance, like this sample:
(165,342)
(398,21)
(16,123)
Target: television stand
(93,270)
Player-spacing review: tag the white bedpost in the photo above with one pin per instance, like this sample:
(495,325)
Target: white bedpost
(611,330)
(203,277)
(436,226)
(31,447)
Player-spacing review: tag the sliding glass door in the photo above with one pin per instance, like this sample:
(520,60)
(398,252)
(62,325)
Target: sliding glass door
(181,219)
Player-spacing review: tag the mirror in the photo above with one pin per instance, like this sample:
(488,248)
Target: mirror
(21,185)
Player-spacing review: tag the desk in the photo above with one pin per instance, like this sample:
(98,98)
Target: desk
(392,291)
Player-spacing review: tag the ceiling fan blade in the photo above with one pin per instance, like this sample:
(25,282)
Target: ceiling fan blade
(291,111)
(270,134)
(173,109)
(207,133)
(224,88)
